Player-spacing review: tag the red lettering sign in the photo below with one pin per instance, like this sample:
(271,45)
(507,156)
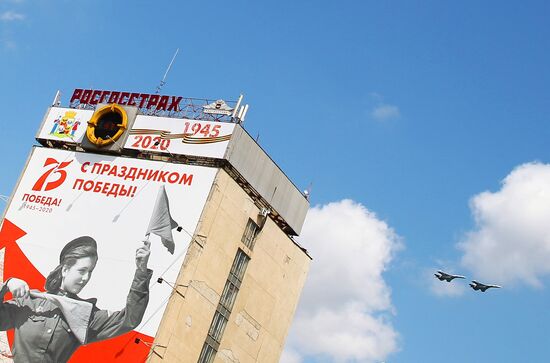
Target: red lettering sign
(141,100)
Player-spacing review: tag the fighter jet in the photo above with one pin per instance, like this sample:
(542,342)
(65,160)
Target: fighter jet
(479,286)
(447,277)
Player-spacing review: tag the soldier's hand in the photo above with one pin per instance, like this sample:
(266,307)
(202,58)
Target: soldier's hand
(18,288)
(142,255)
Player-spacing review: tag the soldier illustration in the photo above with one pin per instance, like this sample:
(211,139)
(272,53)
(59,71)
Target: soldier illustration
(50,326)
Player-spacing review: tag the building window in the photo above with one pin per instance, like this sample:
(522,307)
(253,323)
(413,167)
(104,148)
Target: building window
(225,305)
(207,354)
(239,266)
(250,233)
(229,295)
(218,326)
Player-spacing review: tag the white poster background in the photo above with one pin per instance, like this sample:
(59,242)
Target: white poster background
(179,126)
(95,214)
(65,124)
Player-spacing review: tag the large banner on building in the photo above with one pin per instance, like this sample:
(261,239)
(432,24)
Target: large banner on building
(180,136)
(68,206)
(149,133)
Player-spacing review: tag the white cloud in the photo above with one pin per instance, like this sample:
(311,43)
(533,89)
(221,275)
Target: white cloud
(11,16)
(511,241)
(346,304)
(385,112)
(290,356)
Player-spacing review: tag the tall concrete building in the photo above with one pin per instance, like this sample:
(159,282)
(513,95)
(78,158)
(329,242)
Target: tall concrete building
(225,287)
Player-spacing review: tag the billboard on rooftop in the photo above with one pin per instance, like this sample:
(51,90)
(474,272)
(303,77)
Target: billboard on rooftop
(66,196)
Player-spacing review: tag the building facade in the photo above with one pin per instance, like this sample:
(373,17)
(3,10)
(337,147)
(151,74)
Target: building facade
(230,290)
(240,284)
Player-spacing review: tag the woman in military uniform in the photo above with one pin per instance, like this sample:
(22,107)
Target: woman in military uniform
(42,333)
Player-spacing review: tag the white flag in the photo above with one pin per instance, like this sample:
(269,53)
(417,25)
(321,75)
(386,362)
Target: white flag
(77,313)
(161,222)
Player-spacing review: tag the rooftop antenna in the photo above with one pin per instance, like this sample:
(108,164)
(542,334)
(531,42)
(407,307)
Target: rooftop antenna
(307,191)
(57,99)
(237,106)
(242,113)
(163,82)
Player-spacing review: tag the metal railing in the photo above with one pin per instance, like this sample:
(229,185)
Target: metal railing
(188,108)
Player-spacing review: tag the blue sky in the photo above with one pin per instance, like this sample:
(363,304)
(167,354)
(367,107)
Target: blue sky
(401,113)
